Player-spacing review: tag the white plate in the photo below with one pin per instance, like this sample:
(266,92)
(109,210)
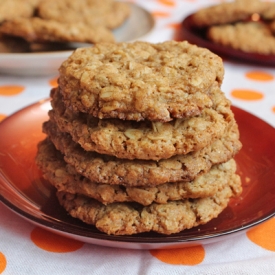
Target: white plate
(137,27)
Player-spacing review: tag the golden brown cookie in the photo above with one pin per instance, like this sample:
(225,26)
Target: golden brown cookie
(107,13)
(36,29)
(269,14)
(228,12)
(251,37)
(110,170)
(132,218)
(137,81)
(65,178)
(11,9)
(144,139)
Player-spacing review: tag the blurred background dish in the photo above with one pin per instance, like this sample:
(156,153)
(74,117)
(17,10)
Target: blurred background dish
(46,58)
(188,31)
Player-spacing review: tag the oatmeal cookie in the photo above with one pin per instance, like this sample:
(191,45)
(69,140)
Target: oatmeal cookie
(144,139)
(36,29)
(93,13)
(228,12)
(65,178)
(131,218)
(269,14)
(244,37)
(137,81)
(113,171)
(11,9)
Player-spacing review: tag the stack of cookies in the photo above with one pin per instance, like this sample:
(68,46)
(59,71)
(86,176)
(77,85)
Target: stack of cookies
(141,138)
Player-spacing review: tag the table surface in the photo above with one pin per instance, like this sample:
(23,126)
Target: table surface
(28,249)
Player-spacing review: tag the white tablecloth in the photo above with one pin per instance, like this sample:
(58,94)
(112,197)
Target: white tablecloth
(28,249)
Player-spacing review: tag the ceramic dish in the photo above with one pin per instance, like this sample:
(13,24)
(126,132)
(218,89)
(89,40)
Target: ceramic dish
(28,195)
(137,27)
(197,36)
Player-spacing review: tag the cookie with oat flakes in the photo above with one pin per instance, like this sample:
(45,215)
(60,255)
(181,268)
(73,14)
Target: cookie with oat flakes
(140,80)
(132,218)
(108,13)
(64,177)
(11,9)
(229,12)
(269,14)
(245,37)
(109,170)
(144,139)
(36,29)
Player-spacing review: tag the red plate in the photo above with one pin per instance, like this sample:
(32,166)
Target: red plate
(188,31)
(24,192)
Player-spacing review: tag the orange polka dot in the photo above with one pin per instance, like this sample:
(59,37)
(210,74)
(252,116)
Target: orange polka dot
(259,76)
(51,242)
(10,90)
(3,262)
(160,14)
(2,116)
(263,235)
(175,26)
(167,2)
(273,109)
(181,256)
(247,94)
(53,82)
